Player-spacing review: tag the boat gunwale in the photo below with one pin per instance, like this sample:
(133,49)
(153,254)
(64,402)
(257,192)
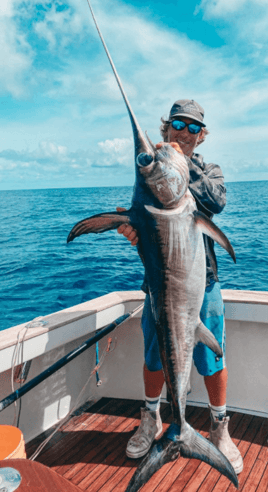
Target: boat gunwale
(9,337)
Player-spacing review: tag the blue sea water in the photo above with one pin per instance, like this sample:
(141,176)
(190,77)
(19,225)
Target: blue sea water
(41,274)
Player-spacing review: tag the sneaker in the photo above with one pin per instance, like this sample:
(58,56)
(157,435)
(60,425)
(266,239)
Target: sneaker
(220,437)
(150,428)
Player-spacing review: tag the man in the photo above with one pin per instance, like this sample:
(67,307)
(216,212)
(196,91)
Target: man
(185,130)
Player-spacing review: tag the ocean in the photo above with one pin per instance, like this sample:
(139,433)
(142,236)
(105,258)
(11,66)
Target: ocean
(41,274)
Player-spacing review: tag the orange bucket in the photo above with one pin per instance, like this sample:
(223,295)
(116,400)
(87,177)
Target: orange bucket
(12,443)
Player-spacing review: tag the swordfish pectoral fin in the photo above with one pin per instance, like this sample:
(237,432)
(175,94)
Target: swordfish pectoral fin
(204,335)
(210,229)
(99,223)
(171,446)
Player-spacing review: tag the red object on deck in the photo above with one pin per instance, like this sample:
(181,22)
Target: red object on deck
(37,477)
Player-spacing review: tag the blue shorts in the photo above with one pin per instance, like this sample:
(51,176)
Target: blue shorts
(212,315)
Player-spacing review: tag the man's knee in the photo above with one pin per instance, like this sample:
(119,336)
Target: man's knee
(153,362)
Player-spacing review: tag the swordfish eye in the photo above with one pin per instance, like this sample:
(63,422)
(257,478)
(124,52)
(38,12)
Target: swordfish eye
(144,159)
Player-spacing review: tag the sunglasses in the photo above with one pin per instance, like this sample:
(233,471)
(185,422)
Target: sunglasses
(192,127)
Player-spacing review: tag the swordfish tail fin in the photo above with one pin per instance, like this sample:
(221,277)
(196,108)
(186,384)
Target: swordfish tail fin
(164,451)
(99,223)
(170,446)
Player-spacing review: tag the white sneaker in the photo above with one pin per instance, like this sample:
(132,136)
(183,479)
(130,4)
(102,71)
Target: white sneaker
(149,428)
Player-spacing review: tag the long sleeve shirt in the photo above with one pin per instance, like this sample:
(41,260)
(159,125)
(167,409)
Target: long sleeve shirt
(207,187)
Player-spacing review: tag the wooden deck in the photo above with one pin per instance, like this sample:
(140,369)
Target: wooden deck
(89,451)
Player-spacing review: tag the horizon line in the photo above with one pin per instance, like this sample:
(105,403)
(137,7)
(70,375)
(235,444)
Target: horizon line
(109,186)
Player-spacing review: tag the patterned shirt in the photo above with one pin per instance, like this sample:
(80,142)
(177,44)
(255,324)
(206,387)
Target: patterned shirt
(209,192)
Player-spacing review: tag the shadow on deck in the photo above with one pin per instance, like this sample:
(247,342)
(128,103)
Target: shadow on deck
(89,451)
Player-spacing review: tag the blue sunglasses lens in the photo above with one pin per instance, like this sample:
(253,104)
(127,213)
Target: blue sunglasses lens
(180,125)
(194,128)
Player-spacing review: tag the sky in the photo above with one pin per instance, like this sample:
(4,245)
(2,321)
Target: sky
(62,118)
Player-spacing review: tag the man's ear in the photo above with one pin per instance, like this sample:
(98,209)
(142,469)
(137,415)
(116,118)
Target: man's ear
(201,137)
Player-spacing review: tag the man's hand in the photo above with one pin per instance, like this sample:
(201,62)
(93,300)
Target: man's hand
(127,230)
(175,146)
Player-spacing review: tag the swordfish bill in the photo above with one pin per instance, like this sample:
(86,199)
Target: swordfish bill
(170,232)
(141,145)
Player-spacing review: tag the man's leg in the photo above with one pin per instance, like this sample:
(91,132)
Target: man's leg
(214,370)
(151,424)
(153,385)
(217,387)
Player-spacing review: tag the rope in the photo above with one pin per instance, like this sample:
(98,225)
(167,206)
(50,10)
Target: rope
(15,362)
(76,404)
(98,380)
(94,371)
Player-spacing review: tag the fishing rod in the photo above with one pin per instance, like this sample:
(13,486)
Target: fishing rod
(66,359)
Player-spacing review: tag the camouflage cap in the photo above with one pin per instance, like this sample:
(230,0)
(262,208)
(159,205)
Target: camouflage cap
(188,108)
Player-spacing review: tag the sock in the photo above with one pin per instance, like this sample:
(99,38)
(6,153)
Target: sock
(218,412)
(153,404)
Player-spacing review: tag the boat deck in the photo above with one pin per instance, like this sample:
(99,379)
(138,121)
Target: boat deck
(89,451)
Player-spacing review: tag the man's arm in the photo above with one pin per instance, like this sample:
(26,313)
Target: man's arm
(207,186)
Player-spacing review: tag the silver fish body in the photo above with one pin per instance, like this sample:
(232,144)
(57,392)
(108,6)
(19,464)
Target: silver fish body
(176,289)
(172,250)
(171,247)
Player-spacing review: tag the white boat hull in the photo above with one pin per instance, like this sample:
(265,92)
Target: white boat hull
(121,372)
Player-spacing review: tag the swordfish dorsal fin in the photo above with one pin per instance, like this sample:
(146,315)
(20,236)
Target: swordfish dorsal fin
(141,144)
(99,223)
(210,229)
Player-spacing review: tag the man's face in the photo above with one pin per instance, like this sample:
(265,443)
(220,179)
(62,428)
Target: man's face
(186,140)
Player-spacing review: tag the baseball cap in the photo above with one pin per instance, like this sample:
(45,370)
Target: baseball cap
(189,108)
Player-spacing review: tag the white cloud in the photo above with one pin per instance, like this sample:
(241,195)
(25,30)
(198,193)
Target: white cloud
(223,8)
(60,58)
(48,154)
(59,26)
(158,62)
(15,53)
(247,18)
(117,145)
(114,153)
(51,150)
(53,22)
(58,159)
(6,8)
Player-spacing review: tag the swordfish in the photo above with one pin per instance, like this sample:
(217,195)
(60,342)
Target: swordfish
(170,231)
